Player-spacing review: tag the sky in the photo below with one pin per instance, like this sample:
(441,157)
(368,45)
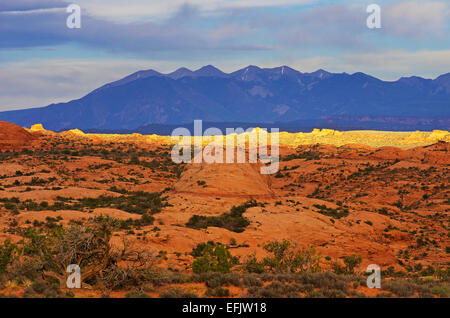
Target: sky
(42,61)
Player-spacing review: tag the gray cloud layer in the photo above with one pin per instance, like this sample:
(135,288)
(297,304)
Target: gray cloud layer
(332,26)
(23,5)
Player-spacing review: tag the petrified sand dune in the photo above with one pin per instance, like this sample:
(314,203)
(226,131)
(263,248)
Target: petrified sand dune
(37,127)
(436,153)
(225,180)
(13,137)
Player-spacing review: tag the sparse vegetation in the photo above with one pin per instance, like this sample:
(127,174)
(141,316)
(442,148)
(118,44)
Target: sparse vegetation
(334,213)
(212,257)
(133,256)
(233,221)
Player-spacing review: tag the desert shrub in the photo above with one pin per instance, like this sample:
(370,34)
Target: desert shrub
(333,293)
(118,224)
(177,292)
(442,273)
(198,250)
(215,279)
(324,281)
(334,213)
(7,251)
(155,277)
(390,271)
(214,258)
(136,294)
(11,204)
(338,269)
(253,266)
(56,249)
(285,258)
(308,155)
(218,292)
(25,268)
(115,277)
(8,296)
(214,282)
(232,221)
(252,281)
(115,189)
(275,290)
(400,288)
(38,181)
(441,291)
(48,253)
(42,288)
(70,294)
(350,262)
(133,202)
(428,271)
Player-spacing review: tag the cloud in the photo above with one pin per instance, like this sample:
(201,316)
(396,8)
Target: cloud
(335,25)
(238,27)
(144,9)
(44,27)
(29,5)
(416,19)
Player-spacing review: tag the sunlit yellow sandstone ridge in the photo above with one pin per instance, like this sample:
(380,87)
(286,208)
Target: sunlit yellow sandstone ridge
(369,138)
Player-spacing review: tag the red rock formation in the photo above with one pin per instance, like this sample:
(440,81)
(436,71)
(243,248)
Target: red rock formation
(13,137)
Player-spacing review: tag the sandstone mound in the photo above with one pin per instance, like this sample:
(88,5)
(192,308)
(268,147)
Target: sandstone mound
(13,137)
(37,127)
(221,180)
(427,137)
(435,153)
(73,133)
(326,132)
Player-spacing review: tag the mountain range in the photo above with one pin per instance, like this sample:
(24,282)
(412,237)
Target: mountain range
(252,95)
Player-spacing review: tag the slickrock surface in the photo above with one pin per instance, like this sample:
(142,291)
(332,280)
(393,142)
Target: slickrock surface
(13,137)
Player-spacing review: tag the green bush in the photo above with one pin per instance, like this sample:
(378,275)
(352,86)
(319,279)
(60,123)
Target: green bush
(218,292)
(252,281)
(214,258)
(6,255)
(253,266)
(177,292)
(133,202)
(351,262)
(286,259)
(233,221)
(334,213)
(136,294)
(198,250)
(275,290)
(400,288)
(441,291)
